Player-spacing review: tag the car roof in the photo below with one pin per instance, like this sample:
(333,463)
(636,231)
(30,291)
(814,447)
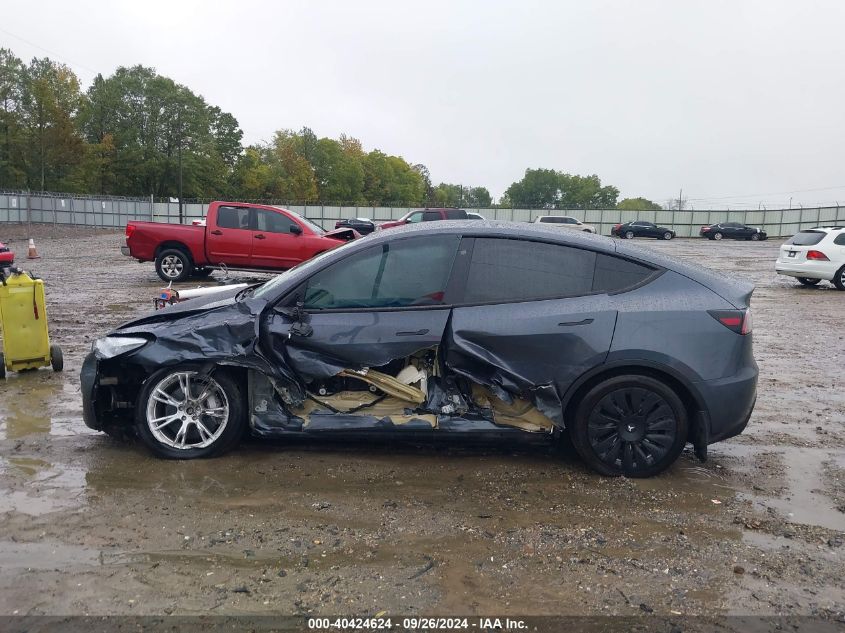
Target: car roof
(826,229)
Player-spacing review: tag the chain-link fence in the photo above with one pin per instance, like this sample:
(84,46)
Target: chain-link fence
(114,212)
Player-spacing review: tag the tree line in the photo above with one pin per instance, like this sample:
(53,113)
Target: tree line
(138,133)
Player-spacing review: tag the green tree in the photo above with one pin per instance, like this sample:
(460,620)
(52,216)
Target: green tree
(51,102)
(448,195)
(339,175)
(550,189)
(12,131)
(638,204)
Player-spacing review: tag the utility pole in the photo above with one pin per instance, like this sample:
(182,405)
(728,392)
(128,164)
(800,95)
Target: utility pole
(179,125)
(681,199)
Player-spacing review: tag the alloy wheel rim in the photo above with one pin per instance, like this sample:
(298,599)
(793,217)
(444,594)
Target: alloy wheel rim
(172,266)
(667,236)
(629,234)
(718,236)
(187,410)
(632,428)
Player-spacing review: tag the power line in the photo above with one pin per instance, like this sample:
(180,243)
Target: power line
(761,195)
(54,54)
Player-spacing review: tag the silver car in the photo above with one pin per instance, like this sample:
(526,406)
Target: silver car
(565,222)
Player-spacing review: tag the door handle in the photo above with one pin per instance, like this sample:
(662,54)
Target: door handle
(581,322)
(259,237)
(217,232)
(417,333)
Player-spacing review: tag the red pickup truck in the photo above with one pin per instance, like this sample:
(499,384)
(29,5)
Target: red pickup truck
(235,236)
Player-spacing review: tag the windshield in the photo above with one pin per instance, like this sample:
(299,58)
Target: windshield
(268,289)
(314,227)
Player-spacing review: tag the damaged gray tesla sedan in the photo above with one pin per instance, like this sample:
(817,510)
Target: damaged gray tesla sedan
(466,327)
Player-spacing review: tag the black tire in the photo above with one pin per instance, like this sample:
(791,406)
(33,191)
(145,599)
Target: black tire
(57,360)
(716,236)
(629,235)
(755,237)
(668,235)
(234,425)
(806,281)
(839,279)
(201,273)
(173,264)
(2,366)
(658,435)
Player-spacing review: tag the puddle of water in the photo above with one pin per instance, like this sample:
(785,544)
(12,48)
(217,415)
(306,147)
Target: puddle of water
(47,489)
(15,555)
(804,500)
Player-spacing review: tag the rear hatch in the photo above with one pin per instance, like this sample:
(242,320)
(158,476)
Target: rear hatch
(795,249)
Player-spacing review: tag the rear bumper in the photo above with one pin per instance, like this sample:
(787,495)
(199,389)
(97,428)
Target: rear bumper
(730,402)
(810,269)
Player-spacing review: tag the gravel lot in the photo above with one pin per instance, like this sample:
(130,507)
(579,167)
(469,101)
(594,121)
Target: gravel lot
(95,526)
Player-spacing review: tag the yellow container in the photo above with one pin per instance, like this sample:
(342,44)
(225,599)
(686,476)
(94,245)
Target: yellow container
(23,322)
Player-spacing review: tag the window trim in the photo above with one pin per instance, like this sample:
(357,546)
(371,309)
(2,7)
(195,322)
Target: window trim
(461,285)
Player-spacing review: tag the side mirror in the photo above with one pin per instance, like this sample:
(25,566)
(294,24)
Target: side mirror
(296,229)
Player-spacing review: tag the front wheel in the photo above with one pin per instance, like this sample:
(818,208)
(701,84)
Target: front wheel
(839,279)
(629,235)
(183,414)
(667,235)
(806,281)
(173,264)
(630,425)
(755,237)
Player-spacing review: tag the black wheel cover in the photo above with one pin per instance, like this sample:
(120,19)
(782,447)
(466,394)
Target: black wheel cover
(632,428)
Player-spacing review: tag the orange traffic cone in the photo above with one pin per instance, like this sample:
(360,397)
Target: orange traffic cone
(32,253)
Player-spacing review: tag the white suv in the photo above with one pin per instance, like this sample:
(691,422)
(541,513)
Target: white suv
(813,255)
(565,222)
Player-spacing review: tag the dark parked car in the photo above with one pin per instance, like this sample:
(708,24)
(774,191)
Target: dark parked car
(638,228)
(732,231)
(362,225)
(494,329)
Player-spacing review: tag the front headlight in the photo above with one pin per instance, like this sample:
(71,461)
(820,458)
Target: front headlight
(112,346)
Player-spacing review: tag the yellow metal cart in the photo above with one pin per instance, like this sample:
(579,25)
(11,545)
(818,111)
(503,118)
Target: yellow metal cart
(23,323)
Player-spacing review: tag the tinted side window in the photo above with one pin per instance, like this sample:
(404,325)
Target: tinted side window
(516,270)
(806,238)
(430,216)
(840,240)
(233,217)
(456,214)
(272,222)
(410,272)
(615,273)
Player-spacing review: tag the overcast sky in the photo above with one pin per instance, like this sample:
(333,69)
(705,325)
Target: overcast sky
(737,102)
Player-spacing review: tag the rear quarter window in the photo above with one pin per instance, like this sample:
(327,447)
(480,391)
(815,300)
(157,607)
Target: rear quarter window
(509,270)
(840,240)
(806,238)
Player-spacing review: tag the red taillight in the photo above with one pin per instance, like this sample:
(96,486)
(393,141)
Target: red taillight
(616,226)
(738,321)
(130,229)
(817,255)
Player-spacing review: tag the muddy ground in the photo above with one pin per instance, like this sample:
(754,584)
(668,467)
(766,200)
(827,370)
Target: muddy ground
(94,526)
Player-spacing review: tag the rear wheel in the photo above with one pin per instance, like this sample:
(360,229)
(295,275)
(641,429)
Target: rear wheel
(629,235)
(630,425)
(173,264)
(839,279)
(182,414)
(717,236)
(57,360)
(806,281)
